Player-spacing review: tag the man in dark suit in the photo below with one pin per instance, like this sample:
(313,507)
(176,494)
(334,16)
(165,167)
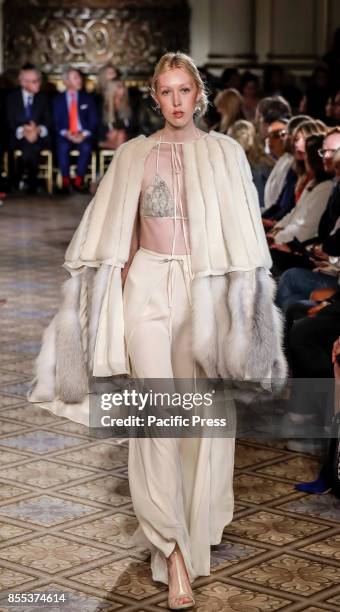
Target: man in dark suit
(29,122)
(75,119)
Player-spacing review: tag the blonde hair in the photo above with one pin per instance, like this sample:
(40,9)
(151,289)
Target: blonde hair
(309,128)
(245,133)
(230,102)
(333,130)
(110,112)
(305,129)
(101,77)
(178,59)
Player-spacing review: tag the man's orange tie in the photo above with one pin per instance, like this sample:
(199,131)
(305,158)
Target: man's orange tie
(73,114)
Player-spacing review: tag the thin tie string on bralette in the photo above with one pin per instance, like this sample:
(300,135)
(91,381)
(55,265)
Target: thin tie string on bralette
(176,166)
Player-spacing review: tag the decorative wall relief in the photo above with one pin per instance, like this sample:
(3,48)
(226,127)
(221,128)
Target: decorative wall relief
(130,34)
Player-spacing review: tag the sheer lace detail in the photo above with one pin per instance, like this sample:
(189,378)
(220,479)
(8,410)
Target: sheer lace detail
(157,200)
(162,207)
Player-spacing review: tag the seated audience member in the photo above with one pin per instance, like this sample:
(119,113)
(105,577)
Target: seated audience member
(106,74)
(3,138)
(269,110)
(297,177)
(29,123)
(284,162)
(75,119)
(303,221)
(305,130)
(330,156)
(332,59)
(328,478)
(277,134)
(296,284)
(332,110)
(318,91)
(250,92)
(116,119)
(261,164)
(229,105)
(309,342)
(273,78)
(230,78)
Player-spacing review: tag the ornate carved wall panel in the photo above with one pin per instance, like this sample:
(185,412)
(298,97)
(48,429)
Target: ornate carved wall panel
(90,33)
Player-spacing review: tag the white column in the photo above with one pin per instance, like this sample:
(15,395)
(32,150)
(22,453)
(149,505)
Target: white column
(200,30)
(263,10)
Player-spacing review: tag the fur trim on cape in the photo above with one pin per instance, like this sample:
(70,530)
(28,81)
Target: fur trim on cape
(237,333)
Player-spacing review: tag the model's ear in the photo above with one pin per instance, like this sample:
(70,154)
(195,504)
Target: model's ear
(156,102)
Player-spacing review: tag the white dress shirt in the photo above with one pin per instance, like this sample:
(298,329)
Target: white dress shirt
(303,221)
(69,95)
(43,131)
(276,180)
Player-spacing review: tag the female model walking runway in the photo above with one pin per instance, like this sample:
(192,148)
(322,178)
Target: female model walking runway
(169,276)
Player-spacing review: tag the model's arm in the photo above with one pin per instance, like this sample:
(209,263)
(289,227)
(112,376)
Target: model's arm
(133,248)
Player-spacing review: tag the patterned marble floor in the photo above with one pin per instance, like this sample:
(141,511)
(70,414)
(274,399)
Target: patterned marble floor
(65,511)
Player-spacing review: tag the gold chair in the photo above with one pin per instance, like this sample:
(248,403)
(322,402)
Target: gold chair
(105,157)
(45,167)
(91,174)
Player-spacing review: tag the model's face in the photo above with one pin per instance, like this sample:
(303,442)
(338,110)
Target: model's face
(277,134)
(177,95)
(74,80)
(330,145)
(30,81)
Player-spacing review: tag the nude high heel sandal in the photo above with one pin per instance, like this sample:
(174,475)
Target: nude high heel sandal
(172,601)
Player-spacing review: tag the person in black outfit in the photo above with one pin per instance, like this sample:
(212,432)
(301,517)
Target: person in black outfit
(29,122)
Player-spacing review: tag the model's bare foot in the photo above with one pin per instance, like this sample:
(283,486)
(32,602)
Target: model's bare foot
(180,592)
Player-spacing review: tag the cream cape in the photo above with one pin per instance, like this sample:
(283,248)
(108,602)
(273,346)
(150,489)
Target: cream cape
(237,330)
(225,226)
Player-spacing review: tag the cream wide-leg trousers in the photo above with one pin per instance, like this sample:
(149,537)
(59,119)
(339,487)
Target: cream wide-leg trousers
(181,489)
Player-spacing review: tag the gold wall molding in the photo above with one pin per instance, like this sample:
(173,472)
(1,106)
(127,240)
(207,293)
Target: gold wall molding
(89,34)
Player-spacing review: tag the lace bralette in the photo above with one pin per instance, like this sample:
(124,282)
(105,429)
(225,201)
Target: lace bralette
(157,200)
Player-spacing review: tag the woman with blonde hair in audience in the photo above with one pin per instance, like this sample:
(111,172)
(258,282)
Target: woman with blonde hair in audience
(228,103)
(116,115)
(260,163)
(107,73)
